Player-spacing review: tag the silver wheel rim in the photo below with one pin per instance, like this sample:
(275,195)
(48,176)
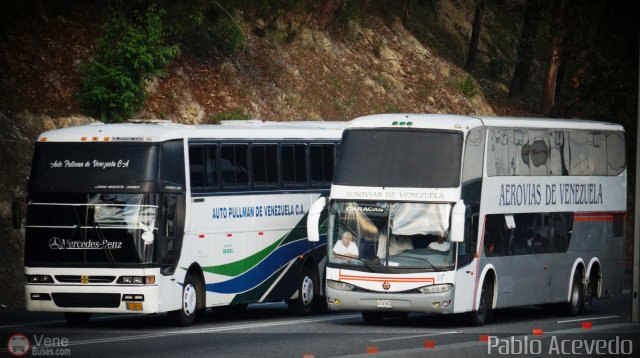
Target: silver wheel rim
(307,290)
(189,300)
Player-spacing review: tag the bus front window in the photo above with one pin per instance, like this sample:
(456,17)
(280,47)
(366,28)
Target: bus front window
(390,235)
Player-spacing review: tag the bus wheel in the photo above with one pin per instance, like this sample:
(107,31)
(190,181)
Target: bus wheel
(576,298)
(185,316)
(588,294)
(479,317)
(372,317)
(303,305)
(77,319)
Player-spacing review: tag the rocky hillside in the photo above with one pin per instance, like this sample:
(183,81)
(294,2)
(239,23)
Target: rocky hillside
(289,68)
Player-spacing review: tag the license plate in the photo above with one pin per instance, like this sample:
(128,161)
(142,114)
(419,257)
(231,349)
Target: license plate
(384,304)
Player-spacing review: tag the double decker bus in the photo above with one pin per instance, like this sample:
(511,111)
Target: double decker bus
(459,214)
(149,218)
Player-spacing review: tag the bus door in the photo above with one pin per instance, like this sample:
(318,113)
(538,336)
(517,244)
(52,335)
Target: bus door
(171,230)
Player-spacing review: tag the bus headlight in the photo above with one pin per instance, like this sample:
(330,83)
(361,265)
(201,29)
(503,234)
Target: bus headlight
(137,280)
(436,288)
(342,286)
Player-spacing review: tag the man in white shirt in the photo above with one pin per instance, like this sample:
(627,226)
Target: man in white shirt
(439,245)
(346,247)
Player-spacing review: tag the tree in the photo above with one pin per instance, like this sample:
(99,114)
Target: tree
(130,52)
(524,63)
(475,36)
(558,29)
(326,11)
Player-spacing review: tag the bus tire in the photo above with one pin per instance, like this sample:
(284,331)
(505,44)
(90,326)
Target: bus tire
(589,292)
(479,317)
(372,317)
(189,304)
(576,297)
(77,319)
(303,305)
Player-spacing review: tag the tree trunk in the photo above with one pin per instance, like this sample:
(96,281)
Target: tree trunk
(475,36)
(525,50)
(551,74)
(327,10)
(406,12)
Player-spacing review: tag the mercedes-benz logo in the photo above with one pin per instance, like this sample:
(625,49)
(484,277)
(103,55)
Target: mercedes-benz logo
(55,243)
(386,285)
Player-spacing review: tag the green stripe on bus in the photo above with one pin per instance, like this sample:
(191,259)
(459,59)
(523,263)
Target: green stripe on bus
(237,267)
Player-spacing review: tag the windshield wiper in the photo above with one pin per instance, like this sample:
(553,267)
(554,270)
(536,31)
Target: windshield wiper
(417,258)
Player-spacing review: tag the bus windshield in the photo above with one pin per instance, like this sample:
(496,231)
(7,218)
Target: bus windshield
(388,236)
(411,158)
(98,228)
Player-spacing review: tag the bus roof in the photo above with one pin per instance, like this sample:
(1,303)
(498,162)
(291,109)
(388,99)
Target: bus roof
(457,122)
(162,131)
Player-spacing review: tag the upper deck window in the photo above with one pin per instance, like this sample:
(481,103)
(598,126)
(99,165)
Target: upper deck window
(411,158)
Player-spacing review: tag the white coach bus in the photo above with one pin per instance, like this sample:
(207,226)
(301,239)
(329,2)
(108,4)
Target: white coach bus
(148,218)
(459,214)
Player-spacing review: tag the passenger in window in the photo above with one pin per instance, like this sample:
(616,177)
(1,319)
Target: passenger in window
(440,244)
(346,248)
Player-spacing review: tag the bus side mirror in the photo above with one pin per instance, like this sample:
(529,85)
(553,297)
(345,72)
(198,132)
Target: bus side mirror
(457,222)
(313,219)
(16,209)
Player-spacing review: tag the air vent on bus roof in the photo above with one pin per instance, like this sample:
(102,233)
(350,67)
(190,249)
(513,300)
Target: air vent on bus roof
(150,121)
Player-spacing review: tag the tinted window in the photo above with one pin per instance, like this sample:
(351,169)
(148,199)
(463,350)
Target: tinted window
(615,153)
(399,158)
(202,166)
(233,164)
(172,163)
(264,162)
(534,233)
(294,164)
(86,167)
(321,160)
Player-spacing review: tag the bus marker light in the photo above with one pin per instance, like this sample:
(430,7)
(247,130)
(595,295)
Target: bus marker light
(106,139)
(484,338)
(301,257)
(260,233)
(537,331)
(429,343)
(586,325)
(337,301)
(43,139)
(134,306)
(229,235)
(150,279)
(201,236)
(372,350)
(84,139)
(95,138)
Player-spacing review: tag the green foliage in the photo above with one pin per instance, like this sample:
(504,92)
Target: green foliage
(468,86)
(129,53)
(230,115)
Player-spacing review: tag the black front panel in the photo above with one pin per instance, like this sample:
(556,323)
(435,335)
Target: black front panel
(86,300)
(94,167)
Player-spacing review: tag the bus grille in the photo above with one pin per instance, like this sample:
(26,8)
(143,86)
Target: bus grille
(92,279)
(86,300)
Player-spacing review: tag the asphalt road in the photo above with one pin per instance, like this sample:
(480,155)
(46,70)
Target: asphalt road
(267,330)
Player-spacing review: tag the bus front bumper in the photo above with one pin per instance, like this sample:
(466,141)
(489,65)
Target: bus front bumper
(141,299)
(339,300)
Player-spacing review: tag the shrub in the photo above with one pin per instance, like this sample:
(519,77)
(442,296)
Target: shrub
(129,53)
(232,114)
(468,86)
